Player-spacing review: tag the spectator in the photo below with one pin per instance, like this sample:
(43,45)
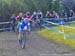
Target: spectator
(71,18)
(55,15)
(13,20)
(71,13)
(63,14)
(48,14)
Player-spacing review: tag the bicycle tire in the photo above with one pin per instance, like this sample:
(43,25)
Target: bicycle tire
(23,45)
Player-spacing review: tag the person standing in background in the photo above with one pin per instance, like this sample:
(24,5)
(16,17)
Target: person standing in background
(13,20)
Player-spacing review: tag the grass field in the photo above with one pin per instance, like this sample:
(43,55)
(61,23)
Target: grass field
(67,29)
(59,38)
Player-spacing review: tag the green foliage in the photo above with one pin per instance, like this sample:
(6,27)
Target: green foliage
(8,7)
(56,5)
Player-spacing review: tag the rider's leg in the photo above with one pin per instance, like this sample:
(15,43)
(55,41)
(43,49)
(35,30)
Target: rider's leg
(20,34)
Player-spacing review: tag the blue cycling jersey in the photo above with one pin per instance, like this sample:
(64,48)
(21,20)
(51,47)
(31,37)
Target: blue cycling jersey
(22,24)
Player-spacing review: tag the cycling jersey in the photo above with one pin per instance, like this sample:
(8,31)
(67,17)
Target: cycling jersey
(18,18)
(24,24)
(28,17)
(34,17)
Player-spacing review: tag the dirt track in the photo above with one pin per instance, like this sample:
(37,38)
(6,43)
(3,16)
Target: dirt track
(36,46)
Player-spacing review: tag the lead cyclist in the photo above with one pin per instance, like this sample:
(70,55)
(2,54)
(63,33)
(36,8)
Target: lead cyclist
(24,26)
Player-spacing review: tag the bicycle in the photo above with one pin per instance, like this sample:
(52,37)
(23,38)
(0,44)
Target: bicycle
(36,24)
(22,40)
(39,23)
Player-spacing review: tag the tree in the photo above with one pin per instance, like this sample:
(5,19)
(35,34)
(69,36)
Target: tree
(8,7)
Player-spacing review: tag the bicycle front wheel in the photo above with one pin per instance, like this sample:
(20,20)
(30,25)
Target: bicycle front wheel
(23,45)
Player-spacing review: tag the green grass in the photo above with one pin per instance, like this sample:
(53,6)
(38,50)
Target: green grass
(71,24)
(66,30)
(57,37)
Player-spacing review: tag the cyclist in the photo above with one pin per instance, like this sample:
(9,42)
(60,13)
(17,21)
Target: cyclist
(18,20)
(39,14)
(28,16)
(23,27)
(34,18)
(39,18)
(19,17)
